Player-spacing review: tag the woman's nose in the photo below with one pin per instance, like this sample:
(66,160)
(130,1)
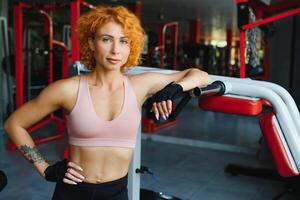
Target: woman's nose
(115,49)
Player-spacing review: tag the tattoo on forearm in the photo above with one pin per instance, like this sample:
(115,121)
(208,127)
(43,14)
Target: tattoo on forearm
(32,154)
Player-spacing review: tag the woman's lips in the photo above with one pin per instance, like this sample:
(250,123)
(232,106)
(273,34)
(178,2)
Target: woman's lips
(113,61)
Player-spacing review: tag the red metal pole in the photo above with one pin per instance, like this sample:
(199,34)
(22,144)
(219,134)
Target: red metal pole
(162,38)
(18,45)
(195,33)
(75,13)
(241,1)
(175,41)
(266,67)
(136,8)
(161,44)
(242,54)
(229,46)
(229,39)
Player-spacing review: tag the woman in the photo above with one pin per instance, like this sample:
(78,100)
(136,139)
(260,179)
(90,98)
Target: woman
(103,108)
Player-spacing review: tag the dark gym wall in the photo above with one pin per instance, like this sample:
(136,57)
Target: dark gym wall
(296,62)
(280,52)
(284,52)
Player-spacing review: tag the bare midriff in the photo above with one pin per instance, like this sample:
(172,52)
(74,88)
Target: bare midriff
(101,164)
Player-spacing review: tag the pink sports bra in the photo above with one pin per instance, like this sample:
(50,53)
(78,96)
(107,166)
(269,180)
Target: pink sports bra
(85,128)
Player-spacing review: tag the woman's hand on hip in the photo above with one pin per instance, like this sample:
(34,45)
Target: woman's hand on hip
(72,175)
(64,171)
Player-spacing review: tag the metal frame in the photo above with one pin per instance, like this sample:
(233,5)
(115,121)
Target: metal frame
(280,91)
(65,57)
(18,38)
(267,20)
(286,113)
(19,69)
(162,42)
(160,47)
(66,35)
(4,52)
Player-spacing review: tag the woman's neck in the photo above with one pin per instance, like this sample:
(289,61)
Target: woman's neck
(106,79)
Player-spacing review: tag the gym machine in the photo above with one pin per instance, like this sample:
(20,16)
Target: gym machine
(3,180)
(5,108)
(281,127)
(6,96)
(19,67)
(264,15)
(280,140)
(157,55)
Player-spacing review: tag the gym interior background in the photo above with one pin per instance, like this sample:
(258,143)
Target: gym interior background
(188,157)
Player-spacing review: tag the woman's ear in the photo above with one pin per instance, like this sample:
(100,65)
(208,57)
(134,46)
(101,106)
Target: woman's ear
(91,44)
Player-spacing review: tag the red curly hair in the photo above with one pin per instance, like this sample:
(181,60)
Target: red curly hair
(94,19)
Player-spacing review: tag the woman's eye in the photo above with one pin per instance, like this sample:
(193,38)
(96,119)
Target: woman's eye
(106,39)
(124,41)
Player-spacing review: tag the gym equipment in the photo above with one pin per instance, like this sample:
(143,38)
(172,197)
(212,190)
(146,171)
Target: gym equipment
(3,180)
(286,116)
(158,55)
(5,86)
(285,150)
(66,33)
(264,15)
(35,60)
(251,49)
(18,48)
(275,135)
(64,56)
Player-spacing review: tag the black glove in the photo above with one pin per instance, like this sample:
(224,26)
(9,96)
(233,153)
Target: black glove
(3,180)
(170,92)
(56,172)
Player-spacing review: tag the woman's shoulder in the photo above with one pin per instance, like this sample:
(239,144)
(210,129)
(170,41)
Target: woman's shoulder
(68,83)
(140,86)
(135,78)
(65,88)
(142,79)
(68,88)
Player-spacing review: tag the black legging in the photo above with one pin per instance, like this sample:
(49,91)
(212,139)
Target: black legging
(114,190)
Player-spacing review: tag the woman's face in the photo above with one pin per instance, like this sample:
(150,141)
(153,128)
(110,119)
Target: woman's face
(110,46)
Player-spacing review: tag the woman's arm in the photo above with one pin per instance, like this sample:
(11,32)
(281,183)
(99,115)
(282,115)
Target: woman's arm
(53,97)
(156,82)
(192,78)
(188,79)
(49,100)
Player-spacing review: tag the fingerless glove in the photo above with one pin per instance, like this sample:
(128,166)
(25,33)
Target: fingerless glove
(169,92)
(56,172)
